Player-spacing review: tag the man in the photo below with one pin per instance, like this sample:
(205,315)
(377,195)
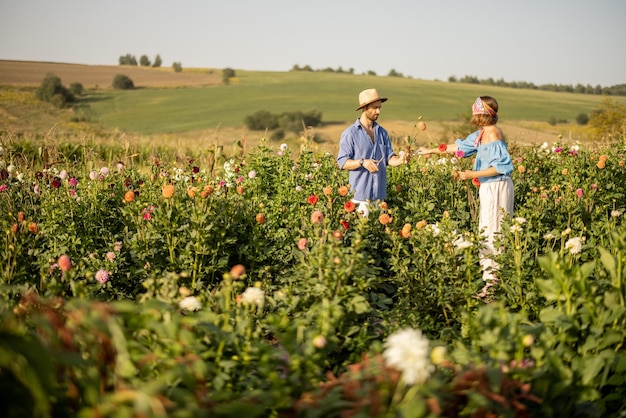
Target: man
(365,150)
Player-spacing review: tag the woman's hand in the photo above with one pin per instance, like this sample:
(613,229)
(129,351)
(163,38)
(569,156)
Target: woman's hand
(467,174)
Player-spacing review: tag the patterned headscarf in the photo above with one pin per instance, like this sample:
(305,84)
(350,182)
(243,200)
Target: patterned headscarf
(481,108)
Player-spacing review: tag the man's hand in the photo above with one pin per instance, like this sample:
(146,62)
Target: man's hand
(398,159)
(371,165)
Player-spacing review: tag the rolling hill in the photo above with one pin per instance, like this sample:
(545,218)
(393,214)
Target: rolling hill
(196,105)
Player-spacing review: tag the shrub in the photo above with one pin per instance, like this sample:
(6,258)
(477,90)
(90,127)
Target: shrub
(123,82)
(278,135)
(261,120)
(52,91)
(609,119)
(76,89)
(582,119)
(177,67)
(227,74)
(287,121)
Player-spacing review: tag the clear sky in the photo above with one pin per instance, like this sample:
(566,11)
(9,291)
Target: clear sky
(538,41)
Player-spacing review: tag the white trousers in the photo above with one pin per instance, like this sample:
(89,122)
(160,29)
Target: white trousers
(363,207)
(496,201)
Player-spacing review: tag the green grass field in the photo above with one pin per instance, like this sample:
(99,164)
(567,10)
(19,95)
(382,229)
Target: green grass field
(156,111)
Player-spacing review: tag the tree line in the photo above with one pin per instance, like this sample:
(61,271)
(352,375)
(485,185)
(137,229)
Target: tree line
(615,90)
(144,61)
(340,70)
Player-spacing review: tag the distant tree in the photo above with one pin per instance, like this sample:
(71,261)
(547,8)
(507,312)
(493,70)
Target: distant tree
(307,68)
(122,82)
(470,79)
(157,61)
(610,119)
(177,67)
(370,72)
(52,91)
(394,73)
(295,67)
(144,61)
(76,89)
(452,79)
(579,88)
(227,74)
(582,119)
(128,59)
(617,90)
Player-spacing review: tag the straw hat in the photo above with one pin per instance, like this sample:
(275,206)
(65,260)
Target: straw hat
(369,96)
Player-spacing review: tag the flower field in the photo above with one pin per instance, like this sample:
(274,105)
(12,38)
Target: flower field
(249,286)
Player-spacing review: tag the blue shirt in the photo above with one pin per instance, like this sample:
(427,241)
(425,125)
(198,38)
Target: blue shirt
(355,144)
(494,154)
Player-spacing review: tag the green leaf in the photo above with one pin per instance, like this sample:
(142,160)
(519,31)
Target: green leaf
(549,315)
(608,261)
(239,409)
(591,365)
(30,364)
(359,304)
(549,289)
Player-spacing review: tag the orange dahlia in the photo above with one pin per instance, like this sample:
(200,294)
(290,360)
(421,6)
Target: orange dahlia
(384,219)
(168,191)
(33,228)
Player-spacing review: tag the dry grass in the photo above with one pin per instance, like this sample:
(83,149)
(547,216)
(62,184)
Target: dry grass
(28,73)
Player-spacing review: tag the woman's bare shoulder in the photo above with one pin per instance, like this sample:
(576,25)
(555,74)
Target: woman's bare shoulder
(493,134)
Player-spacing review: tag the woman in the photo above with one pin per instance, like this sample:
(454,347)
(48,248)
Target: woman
(493,168)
